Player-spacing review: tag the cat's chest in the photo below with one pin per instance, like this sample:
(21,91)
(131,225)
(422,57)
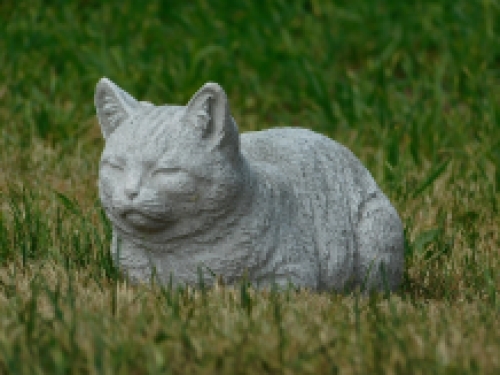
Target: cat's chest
(270,234)
(185,260)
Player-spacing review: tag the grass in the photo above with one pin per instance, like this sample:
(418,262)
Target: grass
(411,87)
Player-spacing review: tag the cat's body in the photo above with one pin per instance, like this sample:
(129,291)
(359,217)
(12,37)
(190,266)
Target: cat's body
(185,192)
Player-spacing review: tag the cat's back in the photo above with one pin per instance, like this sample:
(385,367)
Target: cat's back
(300,150)
(280,146)
(311,162)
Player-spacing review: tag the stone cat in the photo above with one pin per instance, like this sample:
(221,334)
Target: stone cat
(183,189)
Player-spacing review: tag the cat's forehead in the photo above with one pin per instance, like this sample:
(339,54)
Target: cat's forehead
(153,119)
(150,130)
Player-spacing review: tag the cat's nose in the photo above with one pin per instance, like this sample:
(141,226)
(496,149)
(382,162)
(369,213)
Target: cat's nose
(131,193)
(132,184)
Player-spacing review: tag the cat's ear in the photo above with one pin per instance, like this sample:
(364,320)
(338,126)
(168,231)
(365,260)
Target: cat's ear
(209,110)
(113,106)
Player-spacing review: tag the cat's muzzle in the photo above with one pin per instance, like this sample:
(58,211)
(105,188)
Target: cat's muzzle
(142,221)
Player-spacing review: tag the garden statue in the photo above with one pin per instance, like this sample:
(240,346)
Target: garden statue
(186,193)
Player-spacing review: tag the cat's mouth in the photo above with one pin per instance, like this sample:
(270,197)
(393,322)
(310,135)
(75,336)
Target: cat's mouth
(142,221)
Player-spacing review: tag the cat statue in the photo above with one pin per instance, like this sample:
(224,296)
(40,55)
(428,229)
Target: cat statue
(187,193)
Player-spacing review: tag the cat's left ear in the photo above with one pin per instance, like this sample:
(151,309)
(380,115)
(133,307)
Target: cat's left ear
(209,110)
(113,106)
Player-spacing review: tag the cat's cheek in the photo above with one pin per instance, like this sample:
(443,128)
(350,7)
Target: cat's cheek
(105,187)
(176,186)
(109,177)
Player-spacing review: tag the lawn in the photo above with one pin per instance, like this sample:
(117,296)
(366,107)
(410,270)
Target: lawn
(412,88)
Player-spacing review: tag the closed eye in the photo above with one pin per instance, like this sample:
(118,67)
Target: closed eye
(166,170)
(115,164)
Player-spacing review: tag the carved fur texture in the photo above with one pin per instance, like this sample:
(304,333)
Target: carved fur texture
(186,193)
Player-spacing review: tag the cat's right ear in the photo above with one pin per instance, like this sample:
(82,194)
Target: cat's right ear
(113,106)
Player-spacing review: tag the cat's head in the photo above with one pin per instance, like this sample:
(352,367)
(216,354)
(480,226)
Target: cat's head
(167,171)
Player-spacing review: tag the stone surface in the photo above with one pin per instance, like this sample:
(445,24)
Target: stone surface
(183,190)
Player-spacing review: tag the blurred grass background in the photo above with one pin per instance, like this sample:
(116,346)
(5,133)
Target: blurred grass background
(411,87)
